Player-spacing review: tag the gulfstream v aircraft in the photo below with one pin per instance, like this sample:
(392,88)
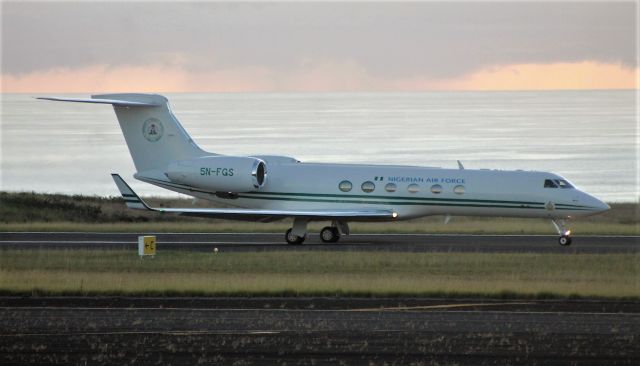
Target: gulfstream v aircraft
(267,188)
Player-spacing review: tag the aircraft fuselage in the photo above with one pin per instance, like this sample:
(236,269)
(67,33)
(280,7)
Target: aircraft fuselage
(408,190)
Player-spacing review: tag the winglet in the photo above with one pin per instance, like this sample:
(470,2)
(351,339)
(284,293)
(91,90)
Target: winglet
(130,197)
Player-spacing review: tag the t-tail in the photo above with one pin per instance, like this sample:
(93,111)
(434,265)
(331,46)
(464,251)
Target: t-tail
(153,134)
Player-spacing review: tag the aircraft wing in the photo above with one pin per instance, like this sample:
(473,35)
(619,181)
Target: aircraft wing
(132,200)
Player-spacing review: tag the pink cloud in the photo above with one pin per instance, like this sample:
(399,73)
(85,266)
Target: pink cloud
(320,76)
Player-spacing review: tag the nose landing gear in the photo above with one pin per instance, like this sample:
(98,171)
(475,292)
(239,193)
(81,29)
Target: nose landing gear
(565,234)
(565,240)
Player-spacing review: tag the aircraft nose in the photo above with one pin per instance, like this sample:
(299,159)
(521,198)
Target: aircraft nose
(596,205)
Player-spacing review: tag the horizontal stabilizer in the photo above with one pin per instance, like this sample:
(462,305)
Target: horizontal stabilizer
(115,102)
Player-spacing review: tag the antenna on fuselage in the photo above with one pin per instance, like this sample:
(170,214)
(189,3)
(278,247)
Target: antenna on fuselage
(460,166)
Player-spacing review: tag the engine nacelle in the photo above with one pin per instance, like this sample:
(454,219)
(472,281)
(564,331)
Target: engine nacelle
(220,173)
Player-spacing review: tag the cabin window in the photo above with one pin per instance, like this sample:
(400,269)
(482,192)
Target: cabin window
(390,187)
(368,186)
(548,183)
(345,186)
(436,189)
(458,189)
(413,188)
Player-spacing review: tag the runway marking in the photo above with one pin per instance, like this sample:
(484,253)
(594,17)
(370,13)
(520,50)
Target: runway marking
(66,241)
(131,242)
(284,310)
(442,306)
(143,232)
(165,332)
(278,234)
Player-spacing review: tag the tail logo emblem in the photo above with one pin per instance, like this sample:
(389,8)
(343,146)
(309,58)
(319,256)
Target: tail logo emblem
(152,129)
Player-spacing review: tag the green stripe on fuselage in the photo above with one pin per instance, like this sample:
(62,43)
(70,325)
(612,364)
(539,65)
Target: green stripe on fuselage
(381,202)
(318,197)
(394,197)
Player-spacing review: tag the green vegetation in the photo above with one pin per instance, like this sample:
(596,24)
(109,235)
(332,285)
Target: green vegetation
(86,272)
(48,212)
(83,272)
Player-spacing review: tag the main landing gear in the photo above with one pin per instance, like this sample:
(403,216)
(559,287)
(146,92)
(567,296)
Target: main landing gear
(329,234)
(294,239)
(565,234)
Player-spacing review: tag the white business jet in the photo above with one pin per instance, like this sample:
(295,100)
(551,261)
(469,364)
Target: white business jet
(268,188)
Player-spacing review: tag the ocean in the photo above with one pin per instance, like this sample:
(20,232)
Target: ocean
(589,137)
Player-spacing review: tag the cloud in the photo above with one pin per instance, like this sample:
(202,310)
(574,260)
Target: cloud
(316,77)
(324,76)
(278,42)
(98,78)
(582,75)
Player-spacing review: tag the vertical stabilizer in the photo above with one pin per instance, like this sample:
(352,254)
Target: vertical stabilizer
(153,134)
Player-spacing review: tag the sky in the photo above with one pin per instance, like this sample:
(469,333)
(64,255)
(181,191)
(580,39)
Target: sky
(308,47)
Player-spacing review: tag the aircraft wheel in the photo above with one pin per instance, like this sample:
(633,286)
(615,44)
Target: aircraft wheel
(564,240)
(293,239)
(329,234)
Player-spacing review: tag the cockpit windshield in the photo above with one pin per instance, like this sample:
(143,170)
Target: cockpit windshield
(557,183)
(563,183)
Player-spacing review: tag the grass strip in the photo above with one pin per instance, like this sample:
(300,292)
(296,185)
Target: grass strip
(526,275)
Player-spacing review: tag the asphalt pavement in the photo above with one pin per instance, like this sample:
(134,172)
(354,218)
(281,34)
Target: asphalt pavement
(307,331)
(356,242)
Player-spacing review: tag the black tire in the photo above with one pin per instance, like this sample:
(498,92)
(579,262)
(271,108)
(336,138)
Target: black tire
(564,240)
(293,239)
(329,234)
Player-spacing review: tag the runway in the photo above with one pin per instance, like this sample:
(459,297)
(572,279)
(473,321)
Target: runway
(237,242)
(317,331)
